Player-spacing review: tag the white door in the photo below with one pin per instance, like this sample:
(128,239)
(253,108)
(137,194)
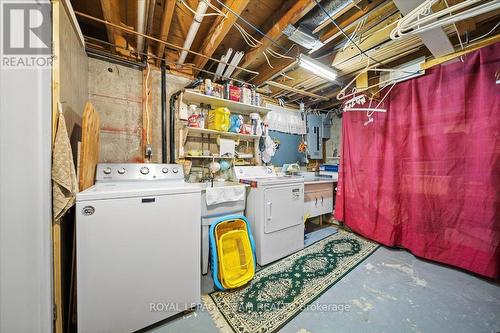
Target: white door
(138,260)
(284,207)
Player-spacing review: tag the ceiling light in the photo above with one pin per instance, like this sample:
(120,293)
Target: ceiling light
(317,68)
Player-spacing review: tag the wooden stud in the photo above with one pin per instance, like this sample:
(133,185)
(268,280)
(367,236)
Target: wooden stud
(219,30)
(56,227)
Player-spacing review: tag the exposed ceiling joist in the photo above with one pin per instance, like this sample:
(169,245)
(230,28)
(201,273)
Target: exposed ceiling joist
(378,37)
(111,13)
(219,30)
(267,73)
(298,91)
(166,21)
(373,9)
(292,16)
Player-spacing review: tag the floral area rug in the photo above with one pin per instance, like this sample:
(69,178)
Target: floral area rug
(283,289)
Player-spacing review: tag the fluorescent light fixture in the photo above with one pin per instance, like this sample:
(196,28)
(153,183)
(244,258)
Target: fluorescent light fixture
(317,68)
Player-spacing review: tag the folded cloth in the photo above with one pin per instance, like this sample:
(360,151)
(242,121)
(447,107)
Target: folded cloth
(64,182)
(220,194)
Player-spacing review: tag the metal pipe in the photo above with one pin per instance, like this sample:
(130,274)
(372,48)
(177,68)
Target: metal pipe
(171,134)
(141,16)
(193,29)
(163,112)
(173,46)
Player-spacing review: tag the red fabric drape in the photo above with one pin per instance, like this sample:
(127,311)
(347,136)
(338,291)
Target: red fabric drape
(426,174)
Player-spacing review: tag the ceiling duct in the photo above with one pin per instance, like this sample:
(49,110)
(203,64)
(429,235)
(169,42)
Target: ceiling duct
(303,35)
(317,16)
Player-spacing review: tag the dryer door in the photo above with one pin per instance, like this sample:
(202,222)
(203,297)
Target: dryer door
(284,207)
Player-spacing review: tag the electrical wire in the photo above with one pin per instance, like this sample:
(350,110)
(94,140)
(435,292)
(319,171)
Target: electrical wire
(267,59)
(196,13)
(249,39)
(486,34)
(252,26)
(147,99)
(344,33)
(278,55)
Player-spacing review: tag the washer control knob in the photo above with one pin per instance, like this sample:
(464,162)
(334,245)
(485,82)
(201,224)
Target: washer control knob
(107,170)
(164,170)
(121,171)
(175,170)
(144,170)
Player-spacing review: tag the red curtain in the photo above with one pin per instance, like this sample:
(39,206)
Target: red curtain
(426,174)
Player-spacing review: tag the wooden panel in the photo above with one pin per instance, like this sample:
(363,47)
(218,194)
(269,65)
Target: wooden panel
(90,147)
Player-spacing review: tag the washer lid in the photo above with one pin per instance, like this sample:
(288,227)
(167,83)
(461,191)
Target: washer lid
(112,190)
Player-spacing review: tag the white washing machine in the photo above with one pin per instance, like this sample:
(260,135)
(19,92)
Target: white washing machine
(138,247)
(275,208)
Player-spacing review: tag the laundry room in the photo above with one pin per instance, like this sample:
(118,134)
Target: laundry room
(250,166)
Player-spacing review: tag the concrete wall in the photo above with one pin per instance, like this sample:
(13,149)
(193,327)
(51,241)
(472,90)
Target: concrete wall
(72,74)
(116,92)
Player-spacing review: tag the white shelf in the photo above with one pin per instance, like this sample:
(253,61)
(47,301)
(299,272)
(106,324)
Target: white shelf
(234,107)
(216,157)
(195,130)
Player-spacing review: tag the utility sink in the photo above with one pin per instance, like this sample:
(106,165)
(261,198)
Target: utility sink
(221,209)
(210,214)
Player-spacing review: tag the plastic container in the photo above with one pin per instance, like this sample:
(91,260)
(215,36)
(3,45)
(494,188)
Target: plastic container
(235,259)
(218,119)
(232,252)
(235,253)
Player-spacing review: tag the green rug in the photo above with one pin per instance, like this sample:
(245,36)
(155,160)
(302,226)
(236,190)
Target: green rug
(283,289)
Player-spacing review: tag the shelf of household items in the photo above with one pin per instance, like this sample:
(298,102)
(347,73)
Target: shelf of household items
(235,107)
(197,130)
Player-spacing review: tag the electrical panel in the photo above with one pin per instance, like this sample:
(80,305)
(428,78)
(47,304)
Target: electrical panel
(315,136)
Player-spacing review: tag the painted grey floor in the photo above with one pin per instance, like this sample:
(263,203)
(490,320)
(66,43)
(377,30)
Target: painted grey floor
(391,291)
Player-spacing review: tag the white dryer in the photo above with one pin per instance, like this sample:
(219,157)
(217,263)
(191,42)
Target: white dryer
(138,247)
(275,207)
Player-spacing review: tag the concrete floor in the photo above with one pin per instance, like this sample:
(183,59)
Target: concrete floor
(391,291)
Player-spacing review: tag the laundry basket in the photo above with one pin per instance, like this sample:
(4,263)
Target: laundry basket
(232,252)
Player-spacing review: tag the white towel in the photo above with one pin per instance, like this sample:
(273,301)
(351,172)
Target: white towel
(64,182)
(221,194)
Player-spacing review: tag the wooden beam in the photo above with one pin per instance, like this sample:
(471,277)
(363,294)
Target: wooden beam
(298,91)
(111,13)
(219,30)
(470,48)
(291,16)
(166,21)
